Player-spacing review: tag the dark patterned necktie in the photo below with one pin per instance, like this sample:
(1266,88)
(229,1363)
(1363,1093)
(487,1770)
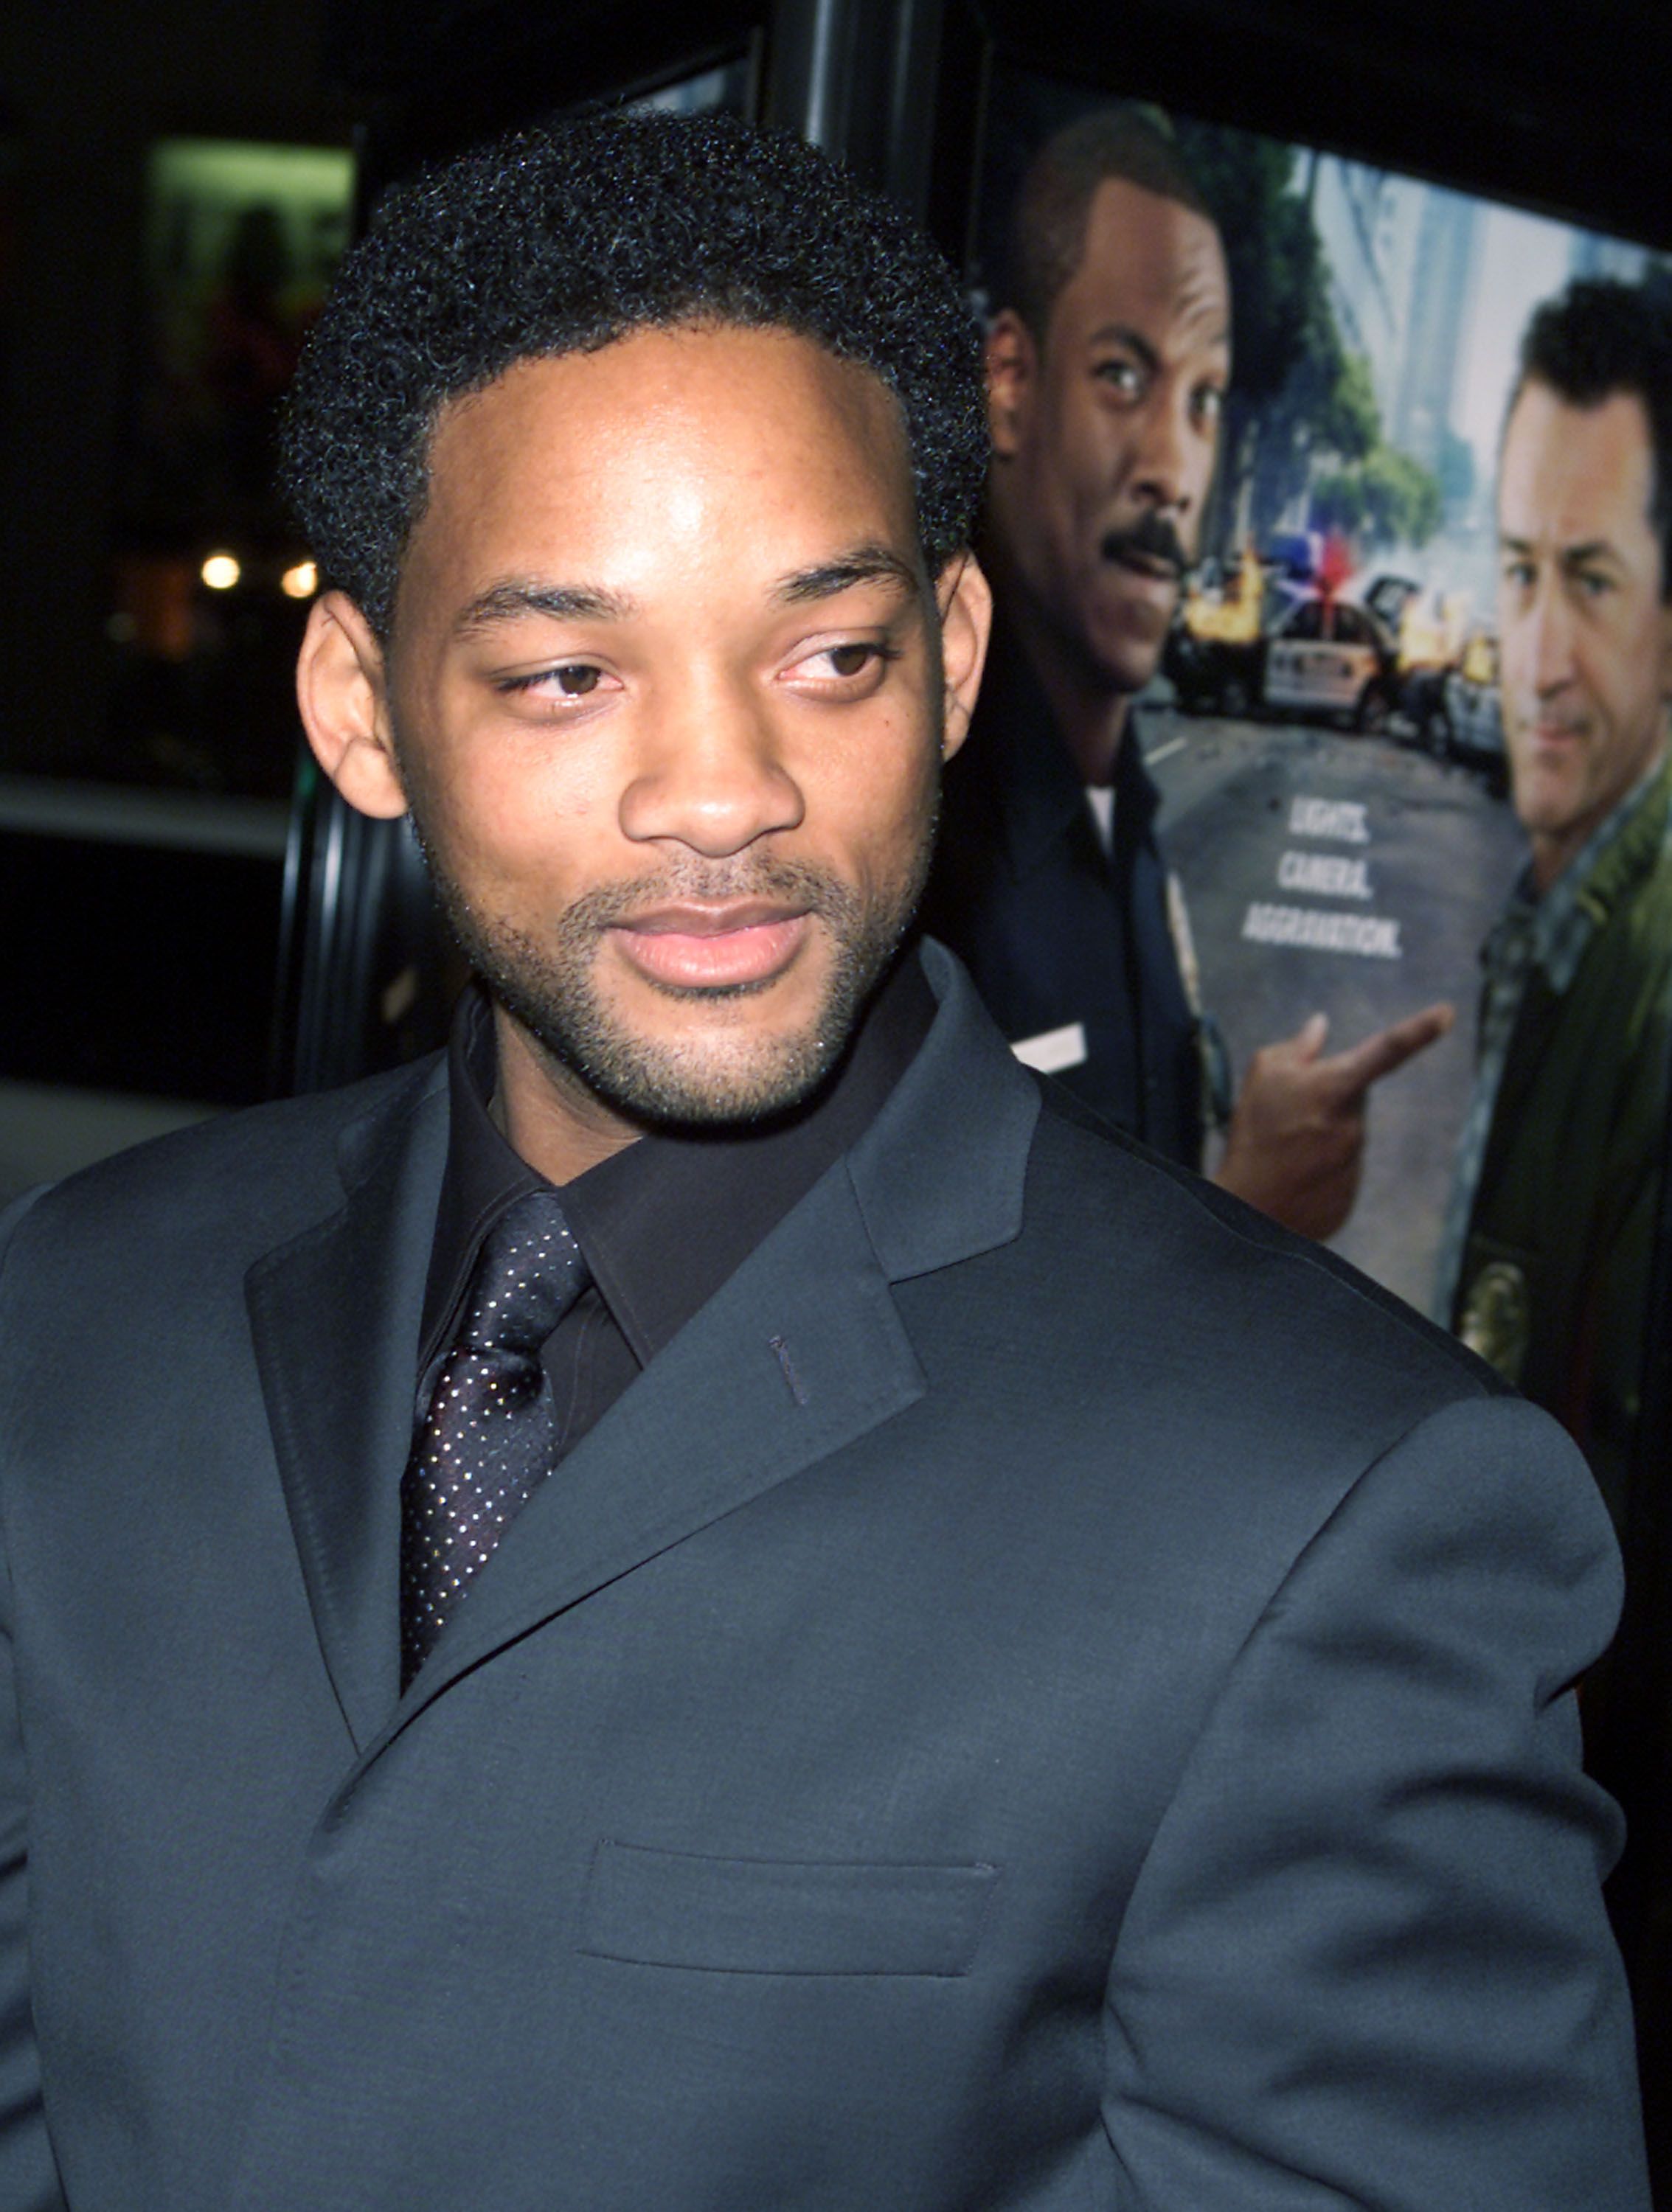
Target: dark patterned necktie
(490,1434)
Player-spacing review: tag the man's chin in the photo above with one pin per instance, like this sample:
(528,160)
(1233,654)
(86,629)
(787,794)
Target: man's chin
(666,1055)
(1125,645)
(1545,804)
(697,1080)
(1124,670)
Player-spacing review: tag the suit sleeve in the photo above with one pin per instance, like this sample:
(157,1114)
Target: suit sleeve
(29,2173)
(1366,1963)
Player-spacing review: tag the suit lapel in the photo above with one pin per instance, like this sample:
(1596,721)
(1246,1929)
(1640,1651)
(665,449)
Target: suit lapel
(801,1351)
(335,1314)
(798,1354)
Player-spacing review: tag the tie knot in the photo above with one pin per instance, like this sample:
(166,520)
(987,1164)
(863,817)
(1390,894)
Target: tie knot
(528,1275)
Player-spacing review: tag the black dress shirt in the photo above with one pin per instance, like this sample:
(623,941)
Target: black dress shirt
(662,1223)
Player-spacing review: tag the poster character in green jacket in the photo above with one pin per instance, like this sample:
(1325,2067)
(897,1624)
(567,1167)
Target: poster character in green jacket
(1546,1269)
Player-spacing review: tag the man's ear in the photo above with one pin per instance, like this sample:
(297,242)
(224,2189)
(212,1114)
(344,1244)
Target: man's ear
(965,600)
(1012,371)
(343,694)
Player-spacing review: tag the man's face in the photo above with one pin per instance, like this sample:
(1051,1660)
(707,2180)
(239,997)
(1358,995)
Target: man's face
(1586,642)
(664,693)
(1105,435)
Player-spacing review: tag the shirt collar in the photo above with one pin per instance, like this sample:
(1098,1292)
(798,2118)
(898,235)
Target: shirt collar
(663,1223)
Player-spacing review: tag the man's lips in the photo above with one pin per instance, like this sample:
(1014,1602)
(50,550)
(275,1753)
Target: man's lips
(1139,582)
(696,945)
(1159,570)
(1552,736)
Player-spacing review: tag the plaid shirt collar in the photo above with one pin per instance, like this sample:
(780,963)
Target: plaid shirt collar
(1550,933)
(1550,930)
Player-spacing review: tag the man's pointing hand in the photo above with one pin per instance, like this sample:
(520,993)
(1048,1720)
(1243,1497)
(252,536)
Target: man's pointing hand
(1296,1144)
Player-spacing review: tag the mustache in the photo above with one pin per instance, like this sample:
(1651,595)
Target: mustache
(758,876)
(1152,538)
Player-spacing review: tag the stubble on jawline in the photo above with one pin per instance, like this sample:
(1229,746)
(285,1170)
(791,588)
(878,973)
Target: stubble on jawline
(550,989)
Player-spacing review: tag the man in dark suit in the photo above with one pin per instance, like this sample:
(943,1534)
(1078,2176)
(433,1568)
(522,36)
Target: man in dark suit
(713,1600)
(1108,364)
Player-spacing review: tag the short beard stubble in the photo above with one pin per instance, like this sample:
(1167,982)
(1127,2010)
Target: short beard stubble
(549,987)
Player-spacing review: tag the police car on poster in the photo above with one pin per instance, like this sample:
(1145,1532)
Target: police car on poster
(1330,656)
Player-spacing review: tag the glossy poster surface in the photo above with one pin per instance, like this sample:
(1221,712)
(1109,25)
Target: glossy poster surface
(1327,725)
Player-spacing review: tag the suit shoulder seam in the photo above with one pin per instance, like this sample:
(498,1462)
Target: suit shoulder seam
(1253,1229)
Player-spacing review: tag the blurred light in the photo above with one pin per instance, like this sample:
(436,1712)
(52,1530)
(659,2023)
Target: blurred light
(221,572)
(300,582)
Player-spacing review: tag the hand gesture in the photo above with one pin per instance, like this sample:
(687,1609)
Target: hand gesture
(1295,1145)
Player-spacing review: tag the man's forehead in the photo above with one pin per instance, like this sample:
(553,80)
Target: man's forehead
(1146,253)
(622,451)
(782,351)
(1574,473)
(610,406)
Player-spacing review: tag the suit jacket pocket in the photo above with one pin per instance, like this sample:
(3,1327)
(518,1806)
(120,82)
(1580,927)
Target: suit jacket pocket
(781,1917)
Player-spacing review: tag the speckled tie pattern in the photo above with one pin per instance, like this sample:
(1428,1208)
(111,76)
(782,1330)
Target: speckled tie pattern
(490,1434)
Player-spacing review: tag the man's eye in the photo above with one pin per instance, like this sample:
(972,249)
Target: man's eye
(573,679)
(1209,403)
(844,663)
(1124,377)
(1518,576)
(1592,583)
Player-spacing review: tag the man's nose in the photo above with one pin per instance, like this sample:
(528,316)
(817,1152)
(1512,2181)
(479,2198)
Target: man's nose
(1547,644)
(710,776)
(1171,458)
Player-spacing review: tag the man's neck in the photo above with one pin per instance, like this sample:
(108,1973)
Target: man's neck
(546,1113)
(1090,714)
(1552,856)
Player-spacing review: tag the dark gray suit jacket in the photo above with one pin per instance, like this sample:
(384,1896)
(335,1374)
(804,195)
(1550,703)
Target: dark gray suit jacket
(1048,1694)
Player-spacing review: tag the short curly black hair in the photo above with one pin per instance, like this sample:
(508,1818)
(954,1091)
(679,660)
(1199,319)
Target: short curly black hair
(563,239)
(1601,337)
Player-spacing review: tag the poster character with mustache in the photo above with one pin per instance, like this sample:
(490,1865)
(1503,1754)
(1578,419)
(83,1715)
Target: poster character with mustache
(1107,365)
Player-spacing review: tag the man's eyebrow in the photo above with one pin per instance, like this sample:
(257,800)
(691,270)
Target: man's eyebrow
(866,564)
(1122,334)
(508,602)
(1586,555)
(1570,556)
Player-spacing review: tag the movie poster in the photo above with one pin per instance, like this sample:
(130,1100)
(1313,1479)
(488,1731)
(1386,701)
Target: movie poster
(1325,729)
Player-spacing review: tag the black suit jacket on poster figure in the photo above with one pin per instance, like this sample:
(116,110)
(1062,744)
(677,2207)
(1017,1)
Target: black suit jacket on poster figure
(1055,932)
(1048,1693)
